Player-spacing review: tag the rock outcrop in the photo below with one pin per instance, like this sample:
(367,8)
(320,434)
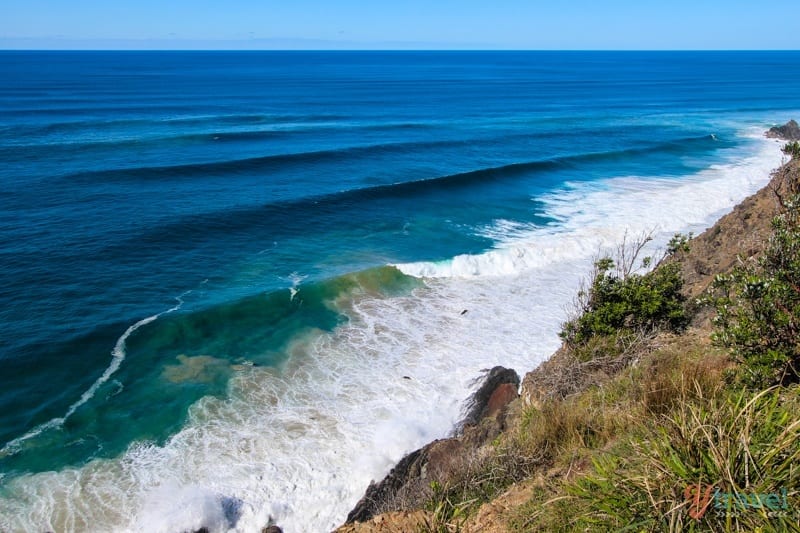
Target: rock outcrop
(736,237)
(499,387)
(408,483)
(789,131)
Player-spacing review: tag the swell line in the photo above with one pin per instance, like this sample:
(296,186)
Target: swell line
(282,213)
(272,162)
(117,357)
(250,164)
(69,135)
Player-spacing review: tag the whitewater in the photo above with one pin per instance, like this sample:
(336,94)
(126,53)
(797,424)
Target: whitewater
(297,445)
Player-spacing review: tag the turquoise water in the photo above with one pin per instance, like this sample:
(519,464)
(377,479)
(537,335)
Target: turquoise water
(200,246)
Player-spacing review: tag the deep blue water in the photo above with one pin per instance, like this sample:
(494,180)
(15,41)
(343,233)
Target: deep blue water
(131,182)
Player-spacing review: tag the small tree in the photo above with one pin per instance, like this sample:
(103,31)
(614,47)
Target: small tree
(758,307)
(792,149)
(621,301)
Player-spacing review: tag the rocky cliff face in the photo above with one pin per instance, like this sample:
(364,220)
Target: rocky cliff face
(789,131)
(737,236)
(408,484)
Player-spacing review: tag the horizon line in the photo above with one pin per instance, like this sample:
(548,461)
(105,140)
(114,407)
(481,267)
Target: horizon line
(456,50)
(293,44)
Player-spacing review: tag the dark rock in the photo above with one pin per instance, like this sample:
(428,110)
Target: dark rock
(272,529)
(478,406)
(405,486)
(500,398)
(379,493)
(789,131)
(231,507)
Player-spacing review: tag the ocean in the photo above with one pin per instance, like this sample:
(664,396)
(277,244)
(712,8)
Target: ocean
(238,286)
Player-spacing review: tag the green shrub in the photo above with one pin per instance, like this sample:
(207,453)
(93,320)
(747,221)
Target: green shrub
(758,307)
(622,302)
(443,514)
(792,149)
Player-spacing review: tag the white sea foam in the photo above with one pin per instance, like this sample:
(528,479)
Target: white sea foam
(117,356)
(295,279)
(300,444)
(595,215)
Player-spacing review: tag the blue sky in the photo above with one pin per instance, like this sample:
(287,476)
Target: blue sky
(407,24)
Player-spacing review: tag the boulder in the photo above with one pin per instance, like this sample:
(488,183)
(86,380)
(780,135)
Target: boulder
(789,131)
(487,400)
(408,482)
(500,398)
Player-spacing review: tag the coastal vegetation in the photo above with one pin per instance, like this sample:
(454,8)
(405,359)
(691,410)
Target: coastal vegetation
(758,307)
(792,149)
(689,436)
(668,408)
(621,302)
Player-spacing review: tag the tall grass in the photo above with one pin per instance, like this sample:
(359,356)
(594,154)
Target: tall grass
(641,431)
(725,463)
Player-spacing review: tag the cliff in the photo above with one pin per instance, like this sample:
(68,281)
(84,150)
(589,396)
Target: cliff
(515,456)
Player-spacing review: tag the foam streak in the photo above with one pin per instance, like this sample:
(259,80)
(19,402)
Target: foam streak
(117,357)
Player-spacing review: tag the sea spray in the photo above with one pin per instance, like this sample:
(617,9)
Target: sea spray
(129,177)
(298,444)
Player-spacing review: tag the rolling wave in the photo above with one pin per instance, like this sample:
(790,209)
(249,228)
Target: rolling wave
(282,215)
(191,354)
(686,202)
(275,162)
(251,164)
(92,132)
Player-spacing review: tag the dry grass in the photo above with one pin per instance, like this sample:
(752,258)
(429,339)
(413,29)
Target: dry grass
(598,404)
(624,450)
(674,424)
(618,429)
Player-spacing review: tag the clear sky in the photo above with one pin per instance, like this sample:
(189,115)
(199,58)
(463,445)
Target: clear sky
(401,24)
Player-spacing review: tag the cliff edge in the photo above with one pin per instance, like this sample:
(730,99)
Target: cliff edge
(516,453)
